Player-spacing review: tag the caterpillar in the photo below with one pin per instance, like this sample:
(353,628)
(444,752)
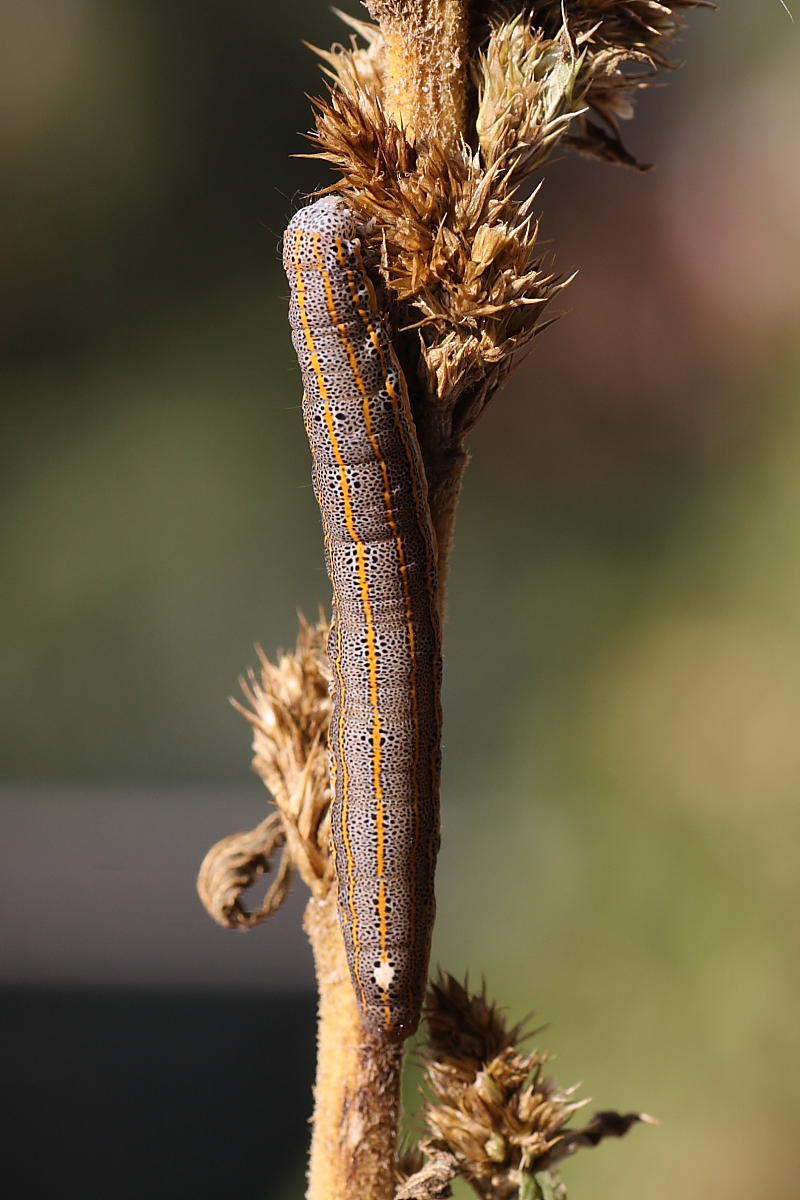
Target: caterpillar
(384,644)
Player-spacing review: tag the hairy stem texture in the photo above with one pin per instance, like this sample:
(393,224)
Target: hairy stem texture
(425,70)
(357,1092)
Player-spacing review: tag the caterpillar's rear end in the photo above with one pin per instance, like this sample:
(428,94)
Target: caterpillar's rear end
(384,644)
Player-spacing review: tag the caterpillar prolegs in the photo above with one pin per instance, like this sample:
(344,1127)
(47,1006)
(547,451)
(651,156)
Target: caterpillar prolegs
(384,646)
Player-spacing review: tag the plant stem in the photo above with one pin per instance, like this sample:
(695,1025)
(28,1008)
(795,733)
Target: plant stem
(424,85)
(357,1092)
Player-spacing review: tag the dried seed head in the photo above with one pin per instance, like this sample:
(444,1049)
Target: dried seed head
(445,207)
(491,1106)
(289,710)
(458,247)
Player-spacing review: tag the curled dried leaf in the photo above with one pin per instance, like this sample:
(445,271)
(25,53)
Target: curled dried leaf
(234,864)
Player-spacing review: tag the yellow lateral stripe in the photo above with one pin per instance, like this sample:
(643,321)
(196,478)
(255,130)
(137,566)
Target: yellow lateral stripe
(421,500)
(302,305)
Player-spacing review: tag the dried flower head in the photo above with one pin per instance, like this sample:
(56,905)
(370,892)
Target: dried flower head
(289,710)
(526,87)
(447,202)
(459,246)
(492,1108)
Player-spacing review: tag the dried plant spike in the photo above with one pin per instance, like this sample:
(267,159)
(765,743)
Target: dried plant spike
(458,247)
(492,1107)
(465,1028)
(527,85)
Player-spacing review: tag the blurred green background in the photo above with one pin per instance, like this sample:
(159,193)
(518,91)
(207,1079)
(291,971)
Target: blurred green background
(622,690)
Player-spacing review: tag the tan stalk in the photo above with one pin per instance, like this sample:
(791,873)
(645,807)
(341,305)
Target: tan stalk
(424,71)
(357,1092)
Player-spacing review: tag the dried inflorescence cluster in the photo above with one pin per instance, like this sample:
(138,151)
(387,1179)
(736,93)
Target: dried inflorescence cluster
(623,44)
(288,706)
(451,214)
(493,1116)
(491,1106)
(458,250)
(459,244)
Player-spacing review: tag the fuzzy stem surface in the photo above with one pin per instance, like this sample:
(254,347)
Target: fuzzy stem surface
(424,82)
(357,1091)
